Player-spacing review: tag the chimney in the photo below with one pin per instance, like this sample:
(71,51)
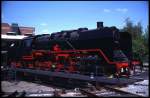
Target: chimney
(99,25)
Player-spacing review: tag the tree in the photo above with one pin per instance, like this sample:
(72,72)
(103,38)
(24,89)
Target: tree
(138,29)
(139,39)
(146,43)
(146,37)
(129,26)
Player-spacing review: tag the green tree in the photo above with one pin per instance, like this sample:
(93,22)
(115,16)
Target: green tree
(139,39)
(146,43)
(146,37)
(128,27)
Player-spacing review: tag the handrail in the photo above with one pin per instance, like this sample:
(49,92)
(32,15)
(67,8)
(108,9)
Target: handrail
(87,50)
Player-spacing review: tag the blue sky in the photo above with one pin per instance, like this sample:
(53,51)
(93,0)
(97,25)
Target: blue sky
(54,16)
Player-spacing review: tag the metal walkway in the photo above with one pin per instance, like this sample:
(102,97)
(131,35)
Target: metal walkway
(100,79)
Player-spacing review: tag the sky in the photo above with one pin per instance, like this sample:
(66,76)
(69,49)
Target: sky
(54,16)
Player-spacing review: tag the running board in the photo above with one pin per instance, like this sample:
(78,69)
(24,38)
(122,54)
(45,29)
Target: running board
(99,79)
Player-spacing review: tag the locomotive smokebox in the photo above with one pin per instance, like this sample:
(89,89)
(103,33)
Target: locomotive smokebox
(99,25)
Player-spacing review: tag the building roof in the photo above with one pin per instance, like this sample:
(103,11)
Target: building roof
(5,28)
(27,30)
(5,24)
(24,30)
(12,36)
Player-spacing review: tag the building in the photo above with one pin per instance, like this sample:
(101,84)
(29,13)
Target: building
(11,36)
(17,30)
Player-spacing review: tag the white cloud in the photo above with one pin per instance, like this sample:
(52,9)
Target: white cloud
(107,10)
(122,10)
(45,31)
(43,24)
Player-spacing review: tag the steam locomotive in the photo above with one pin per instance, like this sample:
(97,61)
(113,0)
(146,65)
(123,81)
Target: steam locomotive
(100,51)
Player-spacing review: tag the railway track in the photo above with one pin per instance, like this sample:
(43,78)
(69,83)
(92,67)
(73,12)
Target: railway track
(14,94)
(120,92)
(89,94)
(107,91)
(93,91)
(61,90)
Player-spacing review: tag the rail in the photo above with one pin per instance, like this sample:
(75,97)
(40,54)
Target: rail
(121,91)
(89,94)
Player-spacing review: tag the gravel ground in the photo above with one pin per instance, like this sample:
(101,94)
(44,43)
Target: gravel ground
(140,88)
(73,94)
(23,86)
